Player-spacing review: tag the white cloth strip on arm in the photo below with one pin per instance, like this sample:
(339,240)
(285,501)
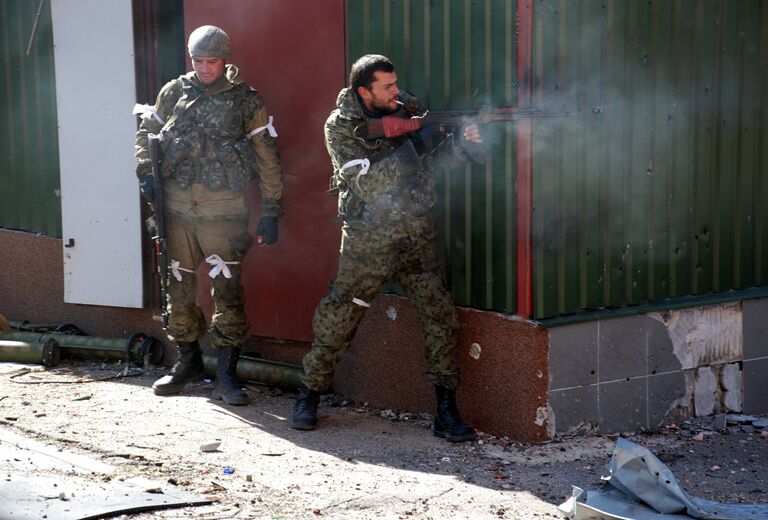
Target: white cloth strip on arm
(147,112)
(176,269)
(219,266)
(269,127)
(364,165)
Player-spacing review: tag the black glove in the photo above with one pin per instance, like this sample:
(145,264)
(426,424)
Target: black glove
(266,231)
(147,187)
(428,138)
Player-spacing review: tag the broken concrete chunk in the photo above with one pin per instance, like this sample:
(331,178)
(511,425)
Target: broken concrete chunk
(210,446)
(705,391)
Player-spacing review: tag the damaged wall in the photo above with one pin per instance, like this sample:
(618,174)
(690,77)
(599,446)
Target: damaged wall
(638,372)
(708,343)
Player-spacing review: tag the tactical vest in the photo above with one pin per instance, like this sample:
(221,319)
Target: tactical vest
(203,141)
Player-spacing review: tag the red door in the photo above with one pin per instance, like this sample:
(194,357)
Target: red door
(293,52)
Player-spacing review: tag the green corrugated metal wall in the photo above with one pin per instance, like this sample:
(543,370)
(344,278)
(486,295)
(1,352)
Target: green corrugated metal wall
(656,188)
(653,186)
(29,170)
(458,54)
(159,45)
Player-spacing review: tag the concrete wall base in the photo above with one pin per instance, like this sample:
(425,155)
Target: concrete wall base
(518,379)
(639,372)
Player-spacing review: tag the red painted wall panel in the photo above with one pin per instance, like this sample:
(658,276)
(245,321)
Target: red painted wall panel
(293,52)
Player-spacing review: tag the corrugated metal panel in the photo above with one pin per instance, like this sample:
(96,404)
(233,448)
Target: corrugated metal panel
(458,54)
(29,164)
(656,188)
(159,49)
(159,42)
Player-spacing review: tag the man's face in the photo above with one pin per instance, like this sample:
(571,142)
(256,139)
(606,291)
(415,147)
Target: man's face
(382,96)
(208,69)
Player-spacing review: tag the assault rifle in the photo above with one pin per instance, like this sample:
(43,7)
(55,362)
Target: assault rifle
(393,126)
(156,225)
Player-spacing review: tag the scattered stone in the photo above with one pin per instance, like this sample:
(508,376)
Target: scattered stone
(210,446)
(715,422)
(740,419)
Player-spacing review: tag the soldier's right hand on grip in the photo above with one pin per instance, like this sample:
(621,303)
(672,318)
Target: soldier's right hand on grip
(473,144)
(428,138)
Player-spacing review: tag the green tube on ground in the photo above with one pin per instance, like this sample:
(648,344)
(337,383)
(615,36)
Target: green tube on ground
(90,347)
(261,371)
(46,353)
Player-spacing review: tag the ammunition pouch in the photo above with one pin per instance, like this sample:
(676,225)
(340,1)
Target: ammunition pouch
(175,150)
(232,164)
(350,205)
(248,157)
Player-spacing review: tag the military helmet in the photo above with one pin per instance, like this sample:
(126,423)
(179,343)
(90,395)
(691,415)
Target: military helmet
(209,41)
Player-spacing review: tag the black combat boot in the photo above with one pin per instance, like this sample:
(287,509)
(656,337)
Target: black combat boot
(188,369)
(225,386)
(448,424)
(305,410)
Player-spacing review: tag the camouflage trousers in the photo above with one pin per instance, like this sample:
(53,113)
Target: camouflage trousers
(189,242)
(407,254)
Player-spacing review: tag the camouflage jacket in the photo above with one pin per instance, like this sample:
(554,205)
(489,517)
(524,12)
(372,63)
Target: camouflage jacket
(203,138)
(379,181)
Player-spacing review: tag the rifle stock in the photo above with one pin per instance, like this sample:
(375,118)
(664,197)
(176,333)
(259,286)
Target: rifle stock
(158,233)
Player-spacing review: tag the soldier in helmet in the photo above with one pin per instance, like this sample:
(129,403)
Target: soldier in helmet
(386,190)
(216,136)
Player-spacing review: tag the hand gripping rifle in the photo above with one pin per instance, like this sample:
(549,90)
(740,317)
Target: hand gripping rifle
(156,223)
(394,126)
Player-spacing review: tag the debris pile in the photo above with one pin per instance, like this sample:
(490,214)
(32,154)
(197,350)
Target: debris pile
(641,487)
(701,428)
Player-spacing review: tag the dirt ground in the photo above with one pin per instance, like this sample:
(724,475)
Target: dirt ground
(361,463)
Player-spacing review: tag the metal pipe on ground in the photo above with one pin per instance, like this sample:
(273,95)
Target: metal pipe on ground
(261,371)
(133,349)
(46,352)
(30,349)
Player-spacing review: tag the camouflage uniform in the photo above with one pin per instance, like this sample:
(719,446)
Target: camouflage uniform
(388,233)
(206,163)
